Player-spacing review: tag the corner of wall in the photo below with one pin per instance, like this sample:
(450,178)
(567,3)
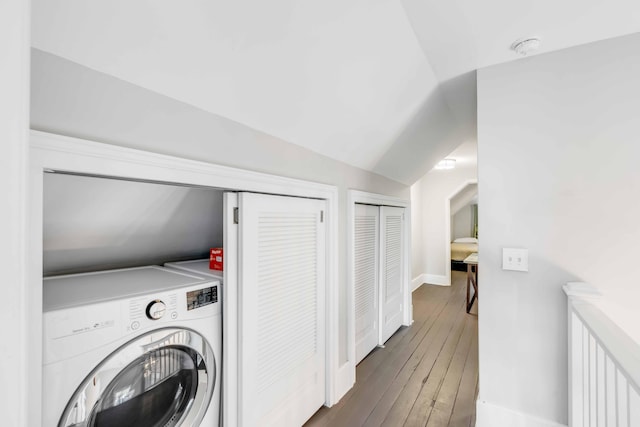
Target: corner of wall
(437,279)
(417,282)
(431,279)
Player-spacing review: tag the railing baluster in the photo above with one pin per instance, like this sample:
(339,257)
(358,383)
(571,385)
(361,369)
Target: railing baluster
(634,407)
(623,407)
(604,365)
(601,386)
(628,406)
(610,393)
(577,364)
(593,417)
(585,386)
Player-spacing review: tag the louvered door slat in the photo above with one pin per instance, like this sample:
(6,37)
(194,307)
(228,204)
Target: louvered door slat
(282,348)
(392,256)
(392,224)
(366,254)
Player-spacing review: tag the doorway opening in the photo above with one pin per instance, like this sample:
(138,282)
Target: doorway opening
(461,228)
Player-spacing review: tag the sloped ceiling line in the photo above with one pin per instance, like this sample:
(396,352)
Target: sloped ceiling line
(385,85)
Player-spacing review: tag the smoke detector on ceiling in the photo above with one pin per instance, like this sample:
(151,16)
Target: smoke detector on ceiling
(526,46)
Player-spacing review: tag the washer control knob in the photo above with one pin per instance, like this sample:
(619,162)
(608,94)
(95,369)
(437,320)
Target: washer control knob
(156,309)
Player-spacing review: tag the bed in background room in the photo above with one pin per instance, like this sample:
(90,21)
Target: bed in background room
(460,249)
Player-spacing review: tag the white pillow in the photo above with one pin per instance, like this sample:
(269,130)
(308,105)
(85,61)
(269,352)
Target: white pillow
(466,240)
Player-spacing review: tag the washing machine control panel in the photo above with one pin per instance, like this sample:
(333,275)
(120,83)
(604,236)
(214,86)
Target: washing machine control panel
(202,297)
(147,310)
(156,309)
(194,302)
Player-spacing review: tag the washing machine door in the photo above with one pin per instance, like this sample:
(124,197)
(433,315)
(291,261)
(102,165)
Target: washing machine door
(164,378)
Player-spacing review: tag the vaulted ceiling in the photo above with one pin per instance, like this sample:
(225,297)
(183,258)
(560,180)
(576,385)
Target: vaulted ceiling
(384,85)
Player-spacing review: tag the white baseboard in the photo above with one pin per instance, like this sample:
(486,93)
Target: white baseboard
(431,279)
(417,282)
(435,279)
(490,415)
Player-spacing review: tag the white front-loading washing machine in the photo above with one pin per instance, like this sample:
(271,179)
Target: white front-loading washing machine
(133,347)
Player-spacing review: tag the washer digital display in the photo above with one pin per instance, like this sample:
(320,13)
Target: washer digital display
(202,297)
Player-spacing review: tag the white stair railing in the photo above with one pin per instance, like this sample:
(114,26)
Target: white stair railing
(604,365)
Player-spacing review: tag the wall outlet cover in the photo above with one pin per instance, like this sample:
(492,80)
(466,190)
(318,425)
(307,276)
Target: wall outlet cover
(515,259)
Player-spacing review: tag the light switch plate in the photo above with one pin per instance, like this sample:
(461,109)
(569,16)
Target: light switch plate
(515,259)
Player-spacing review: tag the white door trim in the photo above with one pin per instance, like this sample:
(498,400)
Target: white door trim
(353,197)
(20,403)
(66,154)
(230,297)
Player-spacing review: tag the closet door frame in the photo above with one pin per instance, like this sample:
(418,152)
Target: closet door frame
(362,197)
(50,152)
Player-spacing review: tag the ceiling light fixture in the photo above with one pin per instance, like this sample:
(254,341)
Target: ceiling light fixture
(446,164)
(526,46)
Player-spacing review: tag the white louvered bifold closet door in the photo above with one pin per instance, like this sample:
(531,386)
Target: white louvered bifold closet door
(391,271)
(282,310)
(365,262)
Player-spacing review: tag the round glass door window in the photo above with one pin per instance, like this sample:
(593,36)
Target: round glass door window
(163,387)
(154,390)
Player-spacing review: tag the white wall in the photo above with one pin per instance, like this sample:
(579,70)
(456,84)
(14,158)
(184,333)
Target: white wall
(341,78)
(14,126)
(432,194)
(558,150)
(92,223)
(461,211)
(73,100)
(464,198)
(462,223)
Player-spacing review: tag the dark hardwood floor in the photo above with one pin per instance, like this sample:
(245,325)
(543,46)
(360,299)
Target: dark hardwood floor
(427,374)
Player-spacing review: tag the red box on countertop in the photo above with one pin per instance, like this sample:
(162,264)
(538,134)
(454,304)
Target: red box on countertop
(215,259)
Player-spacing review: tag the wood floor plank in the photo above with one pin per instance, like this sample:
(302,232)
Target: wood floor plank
(403,341)
(357,414)
(439,346)
(465,399)
(426,372)
(432,307)
(443,406)
(426,399)
(472,422)
(424,316)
